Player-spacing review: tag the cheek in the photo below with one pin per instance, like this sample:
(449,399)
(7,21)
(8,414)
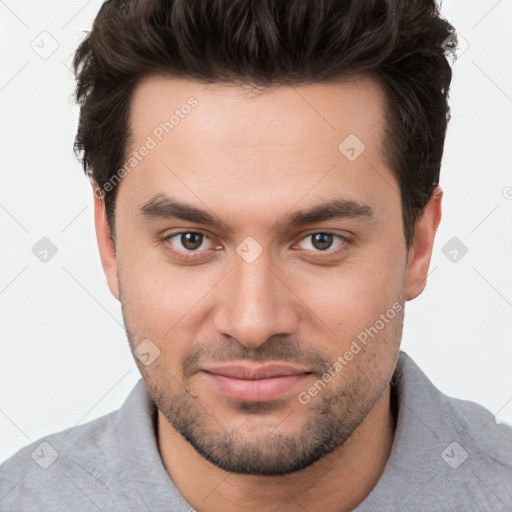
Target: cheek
(160,299)
(352,297)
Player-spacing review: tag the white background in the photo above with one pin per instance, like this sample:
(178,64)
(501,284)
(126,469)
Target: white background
(64,355)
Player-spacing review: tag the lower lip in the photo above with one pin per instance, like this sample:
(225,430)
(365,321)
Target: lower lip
(257,390)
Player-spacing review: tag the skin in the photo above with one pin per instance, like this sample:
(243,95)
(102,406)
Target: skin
(251,160)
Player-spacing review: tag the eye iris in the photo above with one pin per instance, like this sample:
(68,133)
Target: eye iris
(191,241)
(322,240)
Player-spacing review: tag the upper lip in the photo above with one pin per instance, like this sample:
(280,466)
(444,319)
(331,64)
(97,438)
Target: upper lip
(252,373)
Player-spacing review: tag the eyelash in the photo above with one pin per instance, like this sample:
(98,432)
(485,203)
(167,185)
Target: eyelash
(191,255)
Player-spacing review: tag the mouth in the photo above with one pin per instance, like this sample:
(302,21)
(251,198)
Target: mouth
(256,384)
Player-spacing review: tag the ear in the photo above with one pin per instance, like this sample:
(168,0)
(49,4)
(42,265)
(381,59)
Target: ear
(420,251)
(105,244)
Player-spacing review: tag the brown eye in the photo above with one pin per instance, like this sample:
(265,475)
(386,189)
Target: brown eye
(190,246)
(188,243)
(191,241)
(321,241)
(324,244)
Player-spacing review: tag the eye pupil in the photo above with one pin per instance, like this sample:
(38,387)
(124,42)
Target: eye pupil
(191,241)
(322,240)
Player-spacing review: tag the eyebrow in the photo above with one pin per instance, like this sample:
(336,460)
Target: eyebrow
(165,207)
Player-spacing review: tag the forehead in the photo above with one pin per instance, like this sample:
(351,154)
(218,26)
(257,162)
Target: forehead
(303,119)
(281,145)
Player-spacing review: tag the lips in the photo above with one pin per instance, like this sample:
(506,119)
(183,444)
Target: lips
(262,372)
(242,382)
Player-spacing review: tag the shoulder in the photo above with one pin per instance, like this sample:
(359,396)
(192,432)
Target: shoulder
(450,416)
(463,419)
(491,438)
(448,453)
(60,471)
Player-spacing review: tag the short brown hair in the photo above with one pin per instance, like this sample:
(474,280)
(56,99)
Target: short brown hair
(399,43)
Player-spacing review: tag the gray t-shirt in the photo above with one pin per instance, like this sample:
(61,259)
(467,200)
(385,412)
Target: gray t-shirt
(447,455)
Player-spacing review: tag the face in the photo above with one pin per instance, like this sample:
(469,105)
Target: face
(248,239)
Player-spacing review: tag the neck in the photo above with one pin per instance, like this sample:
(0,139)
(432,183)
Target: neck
(338,482)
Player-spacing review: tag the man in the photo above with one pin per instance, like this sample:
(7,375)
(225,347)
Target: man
(266,193)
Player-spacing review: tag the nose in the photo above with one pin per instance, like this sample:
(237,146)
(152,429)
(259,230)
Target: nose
(255,303)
